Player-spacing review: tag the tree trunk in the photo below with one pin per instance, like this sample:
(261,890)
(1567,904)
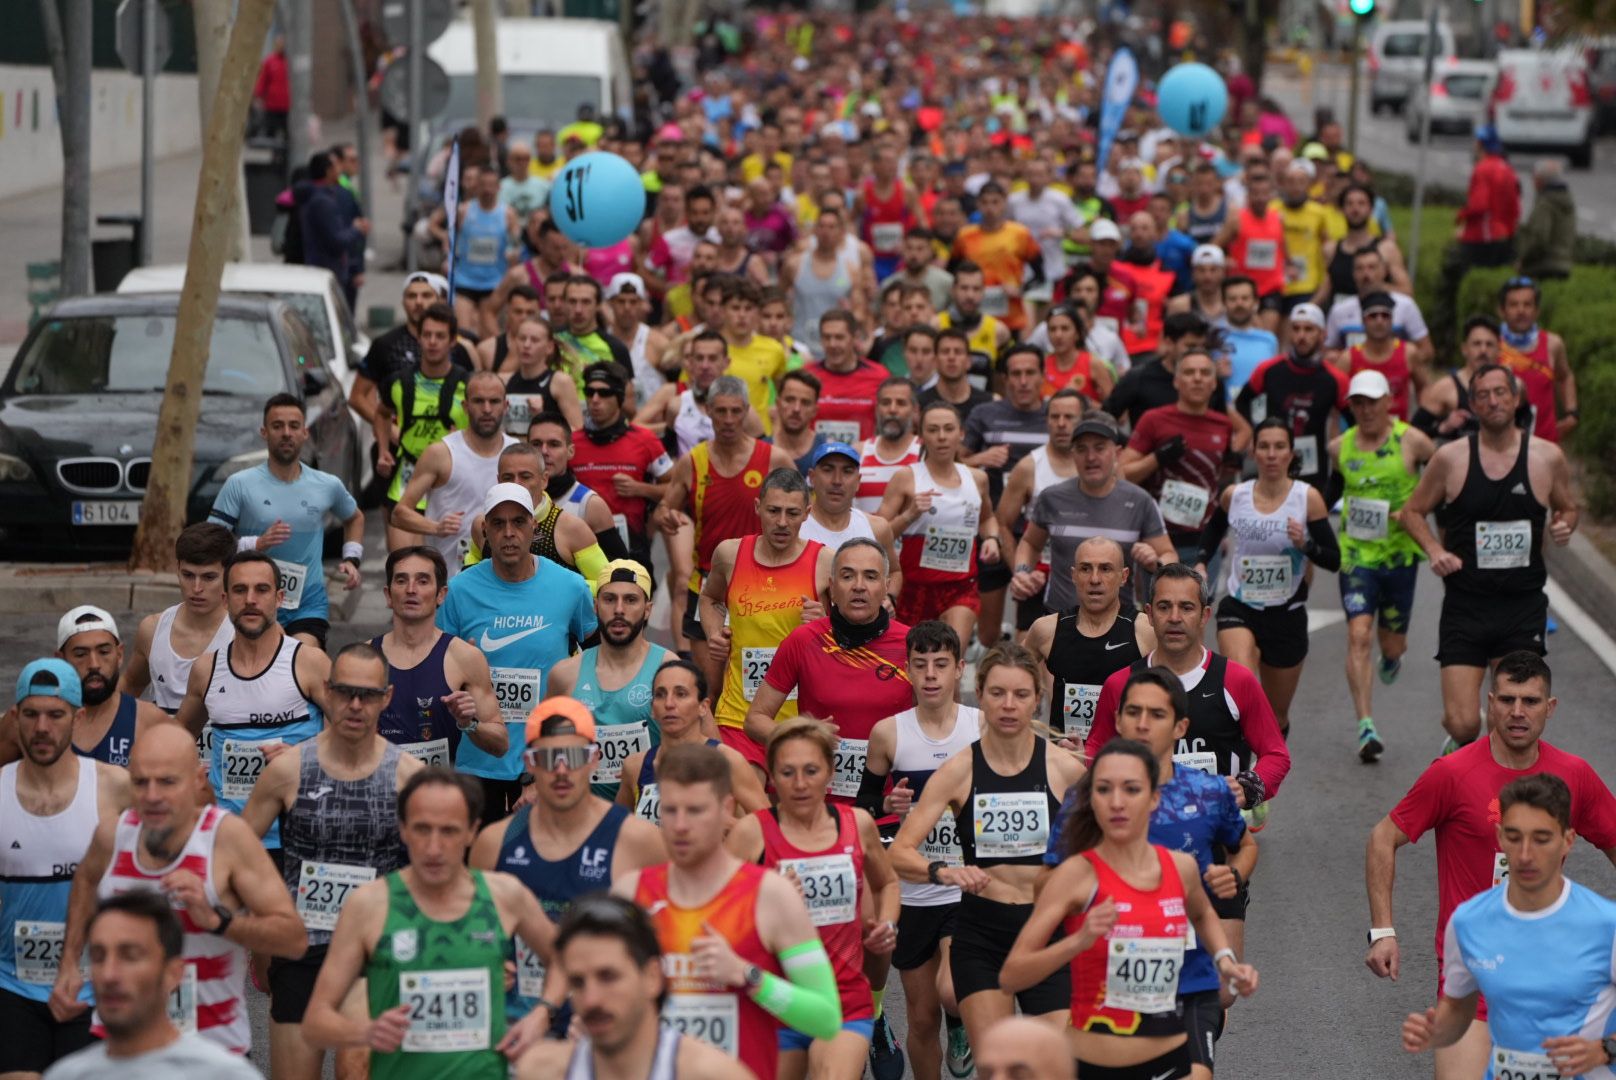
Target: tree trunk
(163,511)
(484,24)
(212,19)
(70,52)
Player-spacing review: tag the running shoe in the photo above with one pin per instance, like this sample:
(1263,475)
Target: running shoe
(1551,625)
(1256,817)
(886,1060)
(1369,745)
(1449,745)
(960,1062)
(1390,669)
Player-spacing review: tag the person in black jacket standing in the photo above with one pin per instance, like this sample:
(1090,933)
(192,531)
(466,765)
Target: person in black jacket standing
(329,232)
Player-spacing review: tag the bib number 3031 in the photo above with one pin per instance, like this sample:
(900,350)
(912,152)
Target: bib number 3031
(448,1010)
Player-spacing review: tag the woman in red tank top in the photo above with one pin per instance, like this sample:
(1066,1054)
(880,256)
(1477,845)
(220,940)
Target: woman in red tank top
(1126,907)
(1070,365)
(829,852)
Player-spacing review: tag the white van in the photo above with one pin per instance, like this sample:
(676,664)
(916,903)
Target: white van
(547,68)
(1395,60)
(1541,102)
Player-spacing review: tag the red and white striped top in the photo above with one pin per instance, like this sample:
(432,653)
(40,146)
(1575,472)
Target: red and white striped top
(875,471)
(211,999)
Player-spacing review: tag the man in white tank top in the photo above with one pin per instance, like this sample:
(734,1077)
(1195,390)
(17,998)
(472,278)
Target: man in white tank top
(223,886)
(628,302)
(455,473)
(833,519)
(895,445)
(1043,468)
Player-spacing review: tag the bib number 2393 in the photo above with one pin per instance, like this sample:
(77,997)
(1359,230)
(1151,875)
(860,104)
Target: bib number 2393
(1011,825)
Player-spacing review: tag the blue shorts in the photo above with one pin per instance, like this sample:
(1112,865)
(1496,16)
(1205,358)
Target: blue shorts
(1387,592)
(792,1039)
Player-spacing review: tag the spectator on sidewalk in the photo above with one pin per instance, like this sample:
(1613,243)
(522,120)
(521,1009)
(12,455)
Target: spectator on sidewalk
(1492,209)
(329,235)
(345,167)
(272,93)
(1549,233)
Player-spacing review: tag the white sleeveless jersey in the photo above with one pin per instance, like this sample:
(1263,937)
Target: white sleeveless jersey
(875,472)
(953,507)
(170,672)
(1043,476)
(647,379)
(915,756)
(691,425)
(858,524)
(664,1061)
(470,477)
(1266,568)
(210,999)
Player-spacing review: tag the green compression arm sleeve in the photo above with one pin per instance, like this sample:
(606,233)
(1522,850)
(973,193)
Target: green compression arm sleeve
(806,998)
(590,562)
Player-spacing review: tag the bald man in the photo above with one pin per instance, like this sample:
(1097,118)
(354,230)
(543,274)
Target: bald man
(1018,1048)
(221,881)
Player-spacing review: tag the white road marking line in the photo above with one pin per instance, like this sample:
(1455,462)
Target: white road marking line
(1321,620)
(1582,624)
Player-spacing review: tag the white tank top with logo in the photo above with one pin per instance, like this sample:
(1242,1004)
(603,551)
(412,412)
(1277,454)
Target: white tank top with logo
(470,477)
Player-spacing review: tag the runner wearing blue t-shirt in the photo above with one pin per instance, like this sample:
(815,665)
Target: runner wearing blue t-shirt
(526,614)
(279,508)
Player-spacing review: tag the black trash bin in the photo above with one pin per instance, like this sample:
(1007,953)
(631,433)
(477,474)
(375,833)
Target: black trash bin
(112,257)
(264,165)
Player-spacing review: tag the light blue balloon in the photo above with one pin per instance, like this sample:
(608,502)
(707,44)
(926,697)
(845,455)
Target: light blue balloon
(598,199)
(1192,99)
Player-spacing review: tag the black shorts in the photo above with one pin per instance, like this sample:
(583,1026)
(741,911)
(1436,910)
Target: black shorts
(1202,1014)
(476,296)
(991,577)
(291,982)
(1029,611)
(1172,1065)
(499,796)
(33,1039)
(1281,632)
(921,931)
(983,934)
(691,623)
(1274,301)
(318,627)
(1475,629)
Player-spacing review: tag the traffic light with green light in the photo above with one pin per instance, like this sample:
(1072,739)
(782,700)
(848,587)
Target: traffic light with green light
(1363,9)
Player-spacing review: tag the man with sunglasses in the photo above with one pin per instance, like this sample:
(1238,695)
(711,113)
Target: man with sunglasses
(623,462)
(1385,354)
(570,842)
(1538,358)
(335,798)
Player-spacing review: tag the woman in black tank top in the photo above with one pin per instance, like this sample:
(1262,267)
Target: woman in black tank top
(533,377)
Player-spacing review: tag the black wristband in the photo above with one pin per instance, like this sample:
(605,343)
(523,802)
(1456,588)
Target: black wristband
(1239,879)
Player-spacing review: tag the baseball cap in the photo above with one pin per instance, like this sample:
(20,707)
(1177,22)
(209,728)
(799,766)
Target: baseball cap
(82,619)
(439,283)
(1097,423)
(607,373)
(50,677)
(830,448)
(624,570)
(1377,301)
(1104,229)
(1308,313)
(1207,255)
(1304,166)
(507,493)
(1369,384)
(1315,151)
(560,716)
(626,282)
(1487,136)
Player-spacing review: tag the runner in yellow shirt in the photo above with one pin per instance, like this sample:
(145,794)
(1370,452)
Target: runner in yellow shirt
(756,359)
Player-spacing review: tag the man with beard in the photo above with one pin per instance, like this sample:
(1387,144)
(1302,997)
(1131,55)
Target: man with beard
(400,347)
(208,865)
(255,693)
(609,956)
(51,803)
(624,463)
(1299,386)
(1244,343)
(920,268)
(614,678)
(987,334)
(582,338)
(557,535)
(455,473)
(87,637)
(895,445)
(1357,205)
(551,259)
(278,508)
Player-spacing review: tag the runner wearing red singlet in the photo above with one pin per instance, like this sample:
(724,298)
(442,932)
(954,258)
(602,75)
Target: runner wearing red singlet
(1457,796)
(1126,907)
(623,463)
(1255,241)
(1384,352)
(1070,365)
(1538,357)
(895,446)
(886,209)
(828,852)
(1152,283)
(848,383)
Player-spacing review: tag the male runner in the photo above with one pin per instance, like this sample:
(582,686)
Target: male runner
(626,308)
(613,679)
(557,535)
(430,940)
(833,519)
(1444,412)
(581,337)
(1345,326)
(757,360)
(953,361)
(1458,796)
(169,642)
(551,435)
(51,803)
(87,638)
(1382,352)
(402,346)
(419,405)
(1043,468)
(1300,387)
(1255,241)
(1151,385)
(986,334)
(623,463)
(741,955)
(679,408)
(525,614)
(849,384)
(279,508)
(796,409)
(217,876)
(895,446)
(550,260)
(1243,343)
(1006,251)
(334,797)
(1538,358)
(522,302)
(1505,491)
(441,689)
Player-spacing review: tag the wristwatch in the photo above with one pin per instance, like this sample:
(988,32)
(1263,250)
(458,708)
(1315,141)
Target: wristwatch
(934,869)
(753,976)
(467,729)
(1378,932)
(1608,1045)
(226,916)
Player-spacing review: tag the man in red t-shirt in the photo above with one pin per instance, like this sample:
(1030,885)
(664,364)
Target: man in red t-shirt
(848,383)
(1457,796)
(623,463)
(1176,453)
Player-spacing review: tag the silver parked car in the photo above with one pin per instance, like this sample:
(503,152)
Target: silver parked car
(1456,99)
(1395,60)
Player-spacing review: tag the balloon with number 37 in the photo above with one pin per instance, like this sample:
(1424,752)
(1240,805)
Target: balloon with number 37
(598,199)
(1192,99)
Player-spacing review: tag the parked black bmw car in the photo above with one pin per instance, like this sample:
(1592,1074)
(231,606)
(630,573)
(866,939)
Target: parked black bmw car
(78,412)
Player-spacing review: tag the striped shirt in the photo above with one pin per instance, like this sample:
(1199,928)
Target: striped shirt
(875,472)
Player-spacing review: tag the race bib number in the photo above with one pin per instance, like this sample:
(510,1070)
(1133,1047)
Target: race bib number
(431,752)
(1523,1065)
(617,742)
(482,249)
(292,577)
(1500,868)
(754,665)
(1367,519)
(1262,254)
(448,1010)
(942,844)
(848,771)
(1295,269)
(529,971)
(712,1018)
(1307,454)
(1184,504)
(1205,760)
(1503,545)
(649,804)
(37,947)
(947,549)
(204,744)
(517,690)
(842,431)
(887,237)
(182,1002)
(1078,702)
(1265,579)
(241,764)
(1142,974)
(1011,825)
(829,887)
(323,888)
(517,413)
(995,301)
(1259,409)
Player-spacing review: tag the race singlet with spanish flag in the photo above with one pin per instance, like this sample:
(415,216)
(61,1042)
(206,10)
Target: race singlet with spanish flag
(765,604)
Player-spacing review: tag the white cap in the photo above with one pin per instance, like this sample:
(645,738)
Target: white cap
(1104,229)
(1207,255)
(1369,384)
(870,108)
(507,493)
(83,619)
(1302,165)
(439,283)
(632,282)
(1308,313)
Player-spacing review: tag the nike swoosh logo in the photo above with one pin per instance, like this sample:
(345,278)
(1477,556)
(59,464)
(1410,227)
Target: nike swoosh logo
(491,644)
(1118,645)
(1210,693)
(1168,1075)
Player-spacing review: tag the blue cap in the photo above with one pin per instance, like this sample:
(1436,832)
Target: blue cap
(1487,136)
(50,677)
(830,448)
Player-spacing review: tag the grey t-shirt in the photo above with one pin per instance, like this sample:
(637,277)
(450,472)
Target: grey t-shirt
(1070,516)
(189,1055)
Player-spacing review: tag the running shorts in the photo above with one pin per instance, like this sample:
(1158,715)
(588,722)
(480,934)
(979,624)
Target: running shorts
(1172,1065)
(1281,632)
(917,603)
(33,1038)
(1386,592)
(983,934)
(921,931)
(1476,629)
